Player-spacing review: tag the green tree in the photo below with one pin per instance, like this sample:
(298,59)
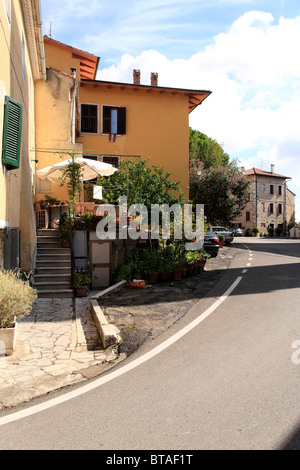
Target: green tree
(206,151)
(72,177)
(222,190)
(141,184)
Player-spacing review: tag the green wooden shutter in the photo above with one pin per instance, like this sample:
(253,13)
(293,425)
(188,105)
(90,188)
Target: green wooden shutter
(12,132)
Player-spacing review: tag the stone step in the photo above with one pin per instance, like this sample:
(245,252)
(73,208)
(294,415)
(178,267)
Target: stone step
(54,256)
(53,263)
(52,285)
(49,277)
(56,293)
(53,270)
(48,244)
(43,249)
(46,231)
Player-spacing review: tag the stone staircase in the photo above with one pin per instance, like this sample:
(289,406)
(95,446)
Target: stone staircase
(53,266)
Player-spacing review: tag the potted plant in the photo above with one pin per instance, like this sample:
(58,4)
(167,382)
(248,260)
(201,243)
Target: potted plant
(278,231)
(16,299)
(64,232)
(42,204)
(123,273)
(191,258)
(271,231)
(51,200)
(255,230)
(201,261)
(221,240)
(152,264)
(177,270)
(81,281)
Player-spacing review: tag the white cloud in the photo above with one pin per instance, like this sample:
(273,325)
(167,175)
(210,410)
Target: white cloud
(253,71)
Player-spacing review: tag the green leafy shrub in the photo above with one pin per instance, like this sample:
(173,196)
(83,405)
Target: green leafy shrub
(81,278)
(16,297)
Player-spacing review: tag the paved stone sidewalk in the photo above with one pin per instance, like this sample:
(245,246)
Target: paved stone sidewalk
(57,345)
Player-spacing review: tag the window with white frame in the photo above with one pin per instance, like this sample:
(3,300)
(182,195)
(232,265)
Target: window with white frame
(44,186)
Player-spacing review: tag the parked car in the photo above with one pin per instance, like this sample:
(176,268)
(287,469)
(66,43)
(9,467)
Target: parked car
(211,244)
(238,232)
(225,232)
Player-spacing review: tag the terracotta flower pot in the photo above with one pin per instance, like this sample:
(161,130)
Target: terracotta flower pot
(153,277)
(195,269)
(65,244)
(177,274)
(81,291)
(190,270)
(201,264)
(165,275)
(183,273)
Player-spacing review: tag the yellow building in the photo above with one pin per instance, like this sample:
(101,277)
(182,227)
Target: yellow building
(115,120)
(22,65)
(57,110)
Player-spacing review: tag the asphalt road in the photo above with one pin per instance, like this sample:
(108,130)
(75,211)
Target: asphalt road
(226,376)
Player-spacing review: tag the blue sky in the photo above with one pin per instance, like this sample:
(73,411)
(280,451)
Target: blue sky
(245,51)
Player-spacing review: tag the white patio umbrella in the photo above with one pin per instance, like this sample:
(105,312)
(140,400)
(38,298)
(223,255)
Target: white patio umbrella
(90,169)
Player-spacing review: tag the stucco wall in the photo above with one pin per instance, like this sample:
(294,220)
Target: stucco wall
(157,127)
(17,185)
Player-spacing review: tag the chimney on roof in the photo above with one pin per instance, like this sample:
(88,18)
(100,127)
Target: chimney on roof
(154,79)
(136,77)
(73,72)
(272,168)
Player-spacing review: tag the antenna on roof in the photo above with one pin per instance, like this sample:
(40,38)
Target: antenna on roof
(50,30)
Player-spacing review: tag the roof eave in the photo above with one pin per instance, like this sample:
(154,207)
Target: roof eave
(196,97)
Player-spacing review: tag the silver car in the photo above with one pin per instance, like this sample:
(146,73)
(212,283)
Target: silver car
(226,233)
(238,232)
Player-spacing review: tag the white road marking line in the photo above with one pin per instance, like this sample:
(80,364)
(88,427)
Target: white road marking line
(135,363)
(244,271)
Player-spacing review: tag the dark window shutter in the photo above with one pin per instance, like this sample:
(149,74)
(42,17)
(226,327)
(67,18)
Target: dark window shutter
(106,121)
(12,132)
(89,118)
(121,120)
(12,248)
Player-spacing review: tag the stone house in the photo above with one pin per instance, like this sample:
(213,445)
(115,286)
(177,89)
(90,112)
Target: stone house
(270,202)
